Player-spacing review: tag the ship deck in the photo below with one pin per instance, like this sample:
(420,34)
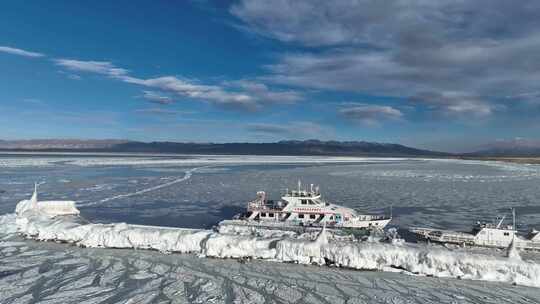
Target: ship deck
(276,225)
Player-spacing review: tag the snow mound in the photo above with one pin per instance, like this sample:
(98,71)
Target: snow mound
(323,249)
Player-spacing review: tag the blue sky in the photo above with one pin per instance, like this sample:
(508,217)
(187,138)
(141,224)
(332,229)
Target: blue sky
(442,75)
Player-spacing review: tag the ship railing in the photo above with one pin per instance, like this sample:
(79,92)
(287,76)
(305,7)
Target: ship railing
(454,238)
(372,217)
(262,207)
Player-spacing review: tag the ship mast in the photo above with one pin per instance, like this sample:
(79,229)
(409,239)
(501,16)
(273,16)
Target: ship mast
(514,218)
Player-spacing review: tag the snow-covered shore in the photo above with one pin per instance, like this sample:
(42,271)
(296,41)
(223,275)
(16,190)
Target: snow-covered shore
(323,249)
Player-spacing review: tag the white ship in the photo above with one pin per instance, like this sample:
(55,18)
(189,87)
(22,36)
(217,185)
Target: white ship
(302,209)
(492,235)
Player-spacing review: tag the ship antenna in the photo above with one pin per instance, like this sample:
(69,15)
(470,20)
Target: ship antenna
(391,211)
(500,222)
(514,218)
(299,185)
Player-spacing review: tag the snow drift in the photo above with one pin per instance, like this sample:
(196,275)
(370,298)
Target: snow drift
(324,249)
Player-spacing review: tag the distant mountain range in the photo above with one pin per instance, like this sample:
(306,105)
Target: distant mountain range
(68,144)
(503,148)
(518,147)
(291,147)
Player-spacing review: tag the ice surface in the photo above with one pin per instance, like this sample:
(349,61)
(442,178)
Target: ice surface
(443,194)
(143,191)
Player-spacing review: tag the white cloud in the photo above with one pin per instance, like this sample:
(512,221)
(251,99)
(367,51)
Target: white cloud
(98,67)
(262,92)
(404,48)
(20,52)
(243,94)
(458,104)
(371,115)
(188,88)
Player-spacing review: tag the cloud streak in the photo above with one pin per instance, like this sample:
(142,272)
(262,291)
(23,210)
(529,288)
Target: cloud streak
(20,52)
(98,67)
(245,95)
(191,89)
(262,93)
(161,112)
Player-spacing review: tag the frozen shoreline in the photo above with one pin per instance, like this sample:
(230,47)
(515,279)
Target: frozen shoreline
(304,249)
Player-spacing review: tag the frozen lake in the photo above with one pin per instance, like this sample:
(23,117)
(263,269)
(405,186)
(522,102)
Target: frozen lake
(197,192)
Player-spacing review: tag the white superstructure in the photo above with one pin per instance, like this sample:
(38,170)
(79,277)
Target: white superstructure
(305,208)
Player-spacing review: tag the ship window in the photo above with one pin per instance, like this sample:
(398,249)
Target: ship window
(263,214)
(311,203)
(270,214)
(506,234)
(303,202)
(312,216)
(301,216)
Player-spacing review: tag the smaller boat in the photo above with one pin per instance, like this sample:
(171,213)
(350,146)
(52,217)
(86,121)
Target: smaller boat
(483,234)
(303,210)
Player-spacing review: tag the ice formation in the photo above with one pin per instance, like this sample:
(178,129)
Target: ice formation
(34,222)
(47,208)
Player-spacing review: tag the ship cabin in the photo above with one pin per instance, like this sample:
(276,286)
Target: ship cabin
(494,233)
(489,234)
(304,207)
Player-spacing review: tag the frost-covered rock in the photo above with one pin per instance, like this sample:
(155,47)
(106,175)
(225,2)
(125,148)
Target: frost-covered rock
(120,235)
(239,246)
(421,260)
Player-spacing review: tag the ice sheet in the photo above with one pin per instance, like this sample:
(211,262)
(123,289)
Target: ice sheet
(445,194)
